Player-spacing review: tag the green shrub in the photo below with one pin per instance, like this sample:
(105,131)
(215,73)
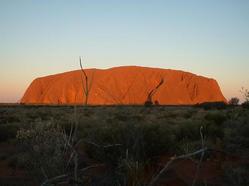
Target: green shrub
(188,130)
(8,132)
(158,139)
(13,162)
(217,117)
(44,145)
(233,101)
(245,105)
(131,172)
(212,105)
(143,141)
(234,176)
(188,114)
(3,156)
(236,134)
(214,125)
(121,117)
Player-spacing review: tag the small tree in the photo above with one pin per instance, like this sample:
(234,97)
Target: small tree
(245,94)
(233,101)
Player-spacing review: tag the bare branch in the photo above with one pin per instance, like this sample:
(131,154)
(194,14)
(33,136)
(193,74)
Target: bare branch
(64,176)
(83,71)
(154,180)
(201,159)
(185,156)
(86,84)
(102,146)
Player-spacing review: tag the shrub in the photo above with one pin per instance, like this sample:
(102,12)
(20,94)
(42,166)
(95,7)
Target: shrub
(131,172)
(157,139)
(143,141)
(217,117)
(233,101)
(121,117)
(189,130)
(214,132)
(7,132)
(245,105)
(234,176)
(236,134)
(188,114)
(44,145)
(245,94)
(212,105)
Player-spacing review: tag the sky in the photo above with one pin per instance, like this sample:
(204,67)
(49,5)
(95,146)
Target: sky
(43,37)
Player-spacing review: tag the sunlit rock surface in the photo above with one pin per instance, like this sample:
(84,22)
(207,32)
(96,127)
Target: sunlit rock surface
(124,85)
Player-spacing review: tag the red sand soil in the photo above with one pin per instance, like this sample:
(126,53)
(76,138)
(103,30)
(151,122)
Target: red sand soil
(124,85)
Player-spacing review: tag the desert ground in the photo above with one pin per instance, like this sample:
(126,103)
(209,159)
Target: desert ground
(124,145)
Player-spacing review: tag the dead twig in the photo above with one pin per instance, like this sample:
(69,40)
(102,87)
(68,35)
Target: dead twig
(64,176)
(87,85)
(165,168)
(201,159)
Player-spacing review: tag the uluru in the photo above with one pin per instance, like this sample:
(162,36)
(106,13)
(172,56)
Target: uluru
(127,85)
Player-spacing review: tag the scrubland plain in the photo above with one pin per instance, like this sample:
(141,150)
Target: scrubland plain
(124,145)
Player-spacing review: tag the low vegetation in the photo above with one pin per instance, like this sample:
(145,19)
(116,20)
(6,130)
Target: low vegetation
(126,145)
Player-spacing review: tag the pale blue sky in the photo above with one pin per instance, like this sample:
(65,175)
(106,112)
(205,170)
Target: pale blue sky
(205,37)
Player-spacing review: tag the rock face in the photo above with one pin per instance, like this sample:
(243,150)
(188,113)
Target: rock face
(124,85)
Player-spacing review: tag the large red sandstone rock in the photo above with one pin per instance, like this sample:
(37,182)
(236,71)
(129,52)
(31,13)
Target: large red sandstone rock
(124,85)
